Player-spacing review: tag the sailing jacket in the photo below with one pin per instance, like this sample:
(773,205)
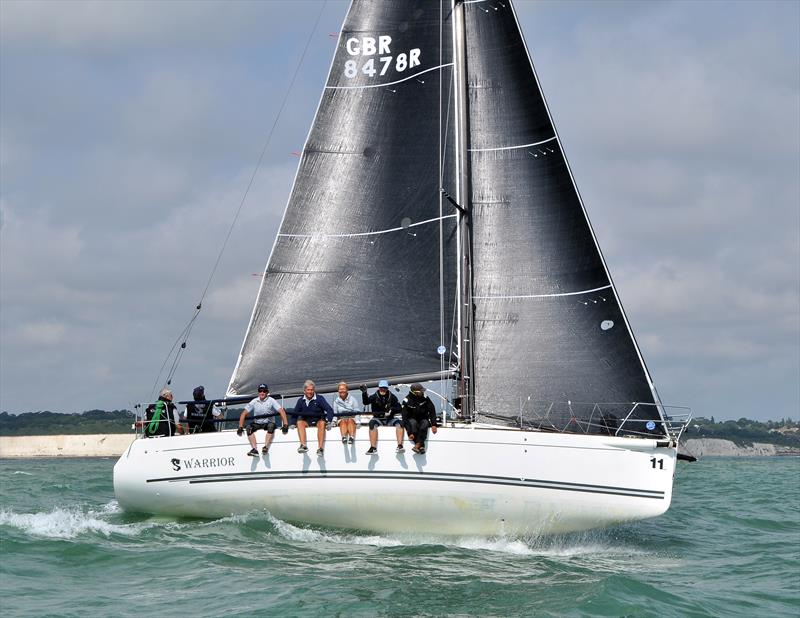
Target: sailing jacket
(317,407)
(161,418)
(199,417)
(346,407)
(383,406)
(419,408)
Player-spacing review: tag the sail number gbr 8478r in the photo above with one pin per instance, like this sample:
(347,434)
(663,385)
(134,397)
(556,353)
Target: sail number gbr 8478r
(369,49)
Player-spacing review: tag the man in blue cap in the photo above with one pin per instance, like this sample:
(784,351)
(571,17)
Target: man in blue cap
(384,408)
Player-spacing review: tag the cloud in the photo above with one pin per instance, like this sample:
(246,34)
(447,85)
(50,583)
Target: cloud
(85,26)
(43,333)
(129,132)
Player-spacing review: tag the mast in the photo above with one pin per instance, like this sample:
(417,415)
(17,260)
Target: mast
(464,297)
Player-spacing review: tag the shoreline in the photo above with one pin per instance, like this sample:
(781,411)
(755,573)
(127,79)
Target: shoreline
(716,447)
(113,445)
(89,445)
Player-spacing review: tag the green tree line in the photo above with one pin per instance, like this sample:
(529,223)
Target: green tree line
(53,423)
(744,432)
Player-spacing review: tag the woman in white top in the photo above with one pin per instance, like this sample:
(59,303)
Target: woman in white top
(346,407)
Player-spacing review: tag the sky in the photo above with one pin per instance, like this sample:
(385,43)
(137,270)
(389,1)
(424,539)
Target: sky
(129,132)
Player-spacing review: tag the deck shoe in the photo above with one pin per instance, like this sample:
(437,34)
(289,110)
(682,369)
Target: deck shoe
(417,448)
(344,440)
(422,450)
(351,440)
(400,448)
(302,449)
(320,452)
(253,452)
(372,451)
(265,450)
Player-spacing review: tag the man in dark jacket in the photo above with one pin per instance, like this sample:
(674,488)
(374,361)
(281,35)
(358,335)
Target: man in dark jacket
(162,416)
(419,414)
(199,415)
(385,407)
(312,409)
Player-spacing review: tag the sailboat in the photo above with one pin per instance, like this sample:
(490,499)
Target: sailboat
(434,233)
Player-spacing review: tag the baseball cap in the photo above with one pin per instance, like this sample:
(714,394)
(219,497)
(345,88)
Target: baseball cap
(417,388)
(263,387)
(383,384)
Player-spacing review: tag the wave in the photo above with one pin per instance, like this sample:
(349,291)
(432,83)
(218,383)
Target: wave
(568,546)
(66,523)
(310,535)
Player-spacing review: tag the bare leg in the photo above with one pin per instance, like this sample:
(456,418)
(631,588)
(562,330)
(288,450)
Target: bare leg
(268,440)
(399,433)
(351,428)
(343,428)
(301,431)
(321,433)
(373,437)
(252,438)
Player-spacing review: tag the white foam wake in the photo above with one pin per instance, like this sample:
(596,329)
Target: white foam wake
(555,547)
(309,535)
(65,524)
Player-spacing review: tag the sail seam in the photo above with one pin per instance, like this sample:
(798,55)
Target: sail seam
(544,141)
(354,234)
(405,79)
(605,287)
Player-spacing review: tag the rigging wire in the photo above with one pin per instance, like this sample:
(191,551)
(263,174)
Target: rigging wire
(184,335)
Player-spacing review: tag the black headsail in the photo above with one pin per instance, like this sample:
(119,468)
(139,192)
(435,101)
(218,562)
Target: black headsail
(361,280)
(549,328)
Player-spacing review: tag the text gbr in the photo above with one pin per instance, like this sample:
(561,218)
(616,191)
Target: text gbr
(370,46)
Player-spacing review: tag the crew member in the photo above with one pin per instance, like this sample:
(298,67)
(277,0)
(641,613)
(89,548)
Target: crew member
(312,409)
(200,414)
(419,414)
(385,407)
(162,416)
(346,409)
(263,408)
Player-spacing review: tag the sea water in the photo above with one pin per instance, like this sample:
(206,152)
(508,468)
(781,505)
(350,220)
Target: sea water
(729,546)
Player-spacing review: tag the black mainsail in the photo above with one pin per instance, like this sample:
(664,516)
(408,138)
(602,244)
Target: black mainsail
(363,279)
(360,283)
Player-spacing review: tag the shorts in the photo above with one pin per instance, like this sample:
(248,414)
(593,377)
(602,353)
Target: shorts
(311,420)
(385,422)
(269,427)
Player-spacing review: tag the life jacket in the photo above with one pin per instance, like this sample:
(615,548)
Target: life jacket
(199,417)
(160,421)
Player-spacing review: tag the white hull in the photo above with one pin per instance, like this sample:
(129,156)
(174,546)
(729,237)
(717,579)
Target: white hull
(472,480)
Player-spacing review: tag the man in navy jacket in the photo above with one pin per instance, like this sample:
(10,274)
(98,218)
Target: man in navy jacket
(312,409)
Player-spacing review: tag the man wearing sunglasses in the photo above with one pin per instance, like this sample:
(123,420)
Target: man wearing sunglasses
(266,408)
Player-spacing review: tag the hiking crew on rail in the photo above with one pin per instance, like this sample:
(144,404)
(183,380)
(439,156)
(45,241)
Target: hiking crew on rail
(414,417)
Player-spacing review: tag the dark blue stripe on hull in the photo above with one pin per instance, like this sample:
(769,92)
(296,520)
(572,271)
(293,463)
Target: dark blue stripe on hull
(444,477)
